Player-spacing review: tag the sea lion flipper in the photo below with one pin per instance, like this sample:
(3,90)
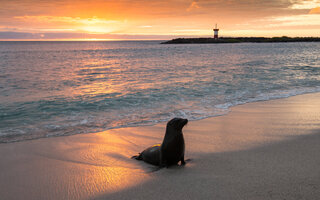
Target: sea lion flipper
(183,161)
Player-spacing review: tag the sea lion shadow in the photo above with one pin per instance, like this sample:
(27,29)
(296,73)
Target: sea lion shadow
(148,168)
(230,175)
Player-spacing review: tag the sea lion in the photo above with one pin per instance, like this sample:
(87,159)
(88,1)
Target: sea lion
(171,151)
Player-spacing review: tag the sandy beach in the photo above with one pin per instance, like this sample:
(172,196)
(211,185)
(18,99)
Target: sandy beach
(261,150)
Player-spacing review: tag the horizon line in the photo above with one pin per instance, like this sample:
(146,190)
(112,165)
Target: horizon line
(133,39)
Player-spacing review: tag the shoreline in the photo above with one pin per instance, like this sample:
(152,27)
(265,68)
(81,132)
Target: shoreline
(271,146)
(254,100)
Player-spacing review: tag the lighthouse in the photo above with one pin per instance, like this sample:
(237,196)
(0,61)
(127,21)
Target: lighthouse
(216,30)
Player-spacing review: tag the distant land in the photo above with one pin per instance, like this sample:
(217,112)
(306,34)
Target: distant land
(241,39)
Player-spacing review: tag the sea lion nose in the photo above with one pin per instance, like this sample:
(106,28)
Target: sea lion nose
(185,121)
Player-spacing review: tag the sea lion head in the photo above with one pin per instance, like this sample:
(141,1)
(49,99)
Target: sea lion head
(177,123)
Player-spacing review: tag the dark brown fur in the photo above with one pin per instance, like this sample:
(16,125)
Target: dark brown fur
(172,149)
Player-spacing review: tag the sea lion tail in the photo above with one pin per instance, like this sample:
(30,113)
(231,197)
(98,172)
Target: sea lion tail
(137,157)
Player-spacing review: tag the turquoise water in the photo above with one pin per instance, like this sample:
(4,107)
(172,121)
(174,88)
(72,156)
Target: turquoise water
(63,88)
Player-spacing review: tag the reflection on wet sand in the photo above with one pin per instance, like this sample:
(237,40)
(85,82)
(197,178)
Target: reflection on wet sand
(75,167)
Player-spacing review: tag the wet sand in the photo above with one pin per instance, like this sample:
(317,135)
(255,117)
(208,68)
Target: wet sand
(262,150)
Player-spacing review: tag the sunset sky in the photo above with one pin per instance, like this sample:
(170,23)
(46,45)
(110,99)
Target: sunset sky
(162,19)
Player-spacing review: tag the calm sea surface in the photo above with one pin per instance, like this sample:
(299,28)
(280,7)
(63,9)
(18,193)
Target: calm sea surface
(63,88)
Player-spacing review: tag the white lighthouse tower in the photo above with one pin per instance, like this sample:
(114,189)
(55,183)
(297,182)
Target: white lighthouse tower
(216,30)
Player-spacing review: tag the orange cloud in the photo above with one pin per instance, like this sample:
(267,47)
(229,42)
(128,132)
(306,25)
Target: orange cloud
(92,20)
(93,24)
(194,5)
(295,20)
(315,10)
(304,4)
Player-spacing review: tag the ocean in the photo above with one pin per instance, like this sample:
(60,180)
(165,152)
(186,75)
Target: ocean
(63,88)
